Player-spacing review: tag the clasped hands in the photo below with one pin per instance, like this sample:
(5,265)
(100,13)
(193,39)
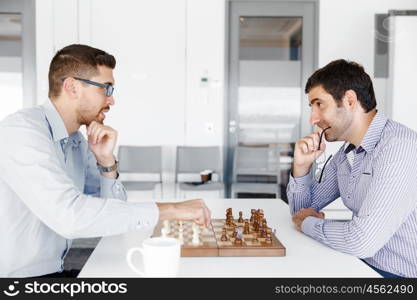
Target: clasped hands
(303,213)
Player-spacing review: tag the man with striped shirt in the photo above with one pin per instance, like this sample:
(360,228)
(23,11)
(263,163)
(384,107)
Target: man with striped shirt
(374,173)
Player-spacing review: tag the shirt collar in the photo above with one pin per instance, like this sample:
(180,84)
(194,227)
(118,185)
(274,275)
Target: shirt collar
(374,132)
(372,135)
(55,121)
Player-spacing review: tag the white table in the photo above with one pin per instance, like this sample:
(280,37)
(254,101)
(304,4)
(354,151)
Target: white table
(305,257)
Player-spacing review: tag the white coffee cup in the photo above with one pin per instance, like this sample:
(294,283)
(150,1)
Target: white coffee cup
(161,257)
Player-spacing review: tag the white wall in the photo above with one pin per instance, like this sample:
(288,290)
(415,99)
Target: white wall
(402,71)
(163,48)
(205,58)
(346,30)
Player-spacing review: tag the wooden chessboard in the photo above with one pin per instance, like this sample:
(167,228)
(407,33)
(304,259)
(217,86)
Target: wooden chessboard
(211,244)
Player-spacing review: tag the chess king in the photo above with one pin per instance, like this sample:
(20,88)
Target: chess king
(55,185)
(374,173)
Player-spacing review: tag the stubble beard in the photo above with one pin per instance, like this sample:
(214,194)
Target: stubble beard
(84,118)
(340,128)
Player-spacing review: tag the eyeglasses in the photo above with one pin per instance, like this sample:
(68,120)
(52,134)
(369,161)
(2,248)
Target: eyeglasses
(109,88)
(321,160)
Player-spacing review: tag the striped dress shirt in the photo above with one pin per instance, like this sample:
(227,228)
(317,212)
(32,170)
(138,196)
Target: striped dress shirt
(379,187)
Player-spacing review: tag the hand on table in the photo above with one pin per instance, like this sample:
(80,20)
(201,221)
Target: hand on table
(194,210)
(303,213)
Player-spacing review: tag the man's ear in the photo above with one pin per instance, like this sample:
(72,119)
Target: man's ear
(350,100)
(69,86)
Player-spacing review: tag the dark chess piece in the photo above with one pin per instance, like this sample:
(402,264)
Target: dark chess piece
(252,217)
(224,235)
(263,233)
(238,241)
(246,229)
(229,220)
(255,226)
(240,220)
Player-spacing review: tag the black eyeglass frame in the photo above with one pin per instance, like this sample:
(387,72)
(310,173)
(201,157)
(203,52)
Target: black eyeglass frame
(109,88)
(327,160)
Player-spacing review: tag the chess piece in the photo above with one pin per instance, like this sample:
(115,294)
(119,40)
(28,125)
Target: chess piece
(238,241)
(234,234)
(196,235)
(268,239)
(164,232)
(229,221)
(263,226)
(167,225)
(246,229)
(181,231)
(240,220)
(181,235)
(263,233)
(252,217)
(224,235)
(166,229)
(256,226)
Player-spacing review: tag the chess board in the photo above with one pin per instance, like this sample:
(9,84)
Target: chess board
(212,245)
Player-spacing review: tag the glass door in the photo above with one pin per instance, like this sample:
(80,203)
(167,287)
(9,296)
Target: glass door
(271,53)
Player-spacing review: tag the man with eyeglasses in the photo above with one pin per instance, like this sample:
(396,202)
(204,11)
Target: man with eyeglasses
(56,186)
(374,173)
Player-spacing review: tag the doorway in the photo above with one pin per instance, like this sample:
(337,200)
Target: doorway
(272,51)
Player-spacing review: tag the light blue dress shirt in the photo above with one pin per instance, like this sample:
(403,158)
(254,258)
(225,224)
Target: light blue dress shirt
(51,192)
(379,187)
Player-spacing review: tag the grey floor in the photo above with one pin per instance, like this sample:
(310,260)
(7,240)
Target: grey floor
(79,253)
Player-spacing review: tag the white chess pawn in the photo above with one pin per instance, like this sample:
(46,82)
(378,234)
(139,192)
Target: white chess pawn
(181,236)
(166,229)
(167,225)
(196,236)
(164,232)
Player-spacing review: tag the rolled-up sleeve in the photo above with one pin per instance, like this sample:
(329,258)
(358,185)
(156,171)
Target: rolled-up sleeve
(303,192)
(390,200)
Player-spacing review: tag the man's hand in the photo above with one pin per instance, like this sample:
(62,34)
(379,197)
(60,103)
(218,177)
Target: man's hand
(305,152)
(303,213)
(102,141)
(195,210)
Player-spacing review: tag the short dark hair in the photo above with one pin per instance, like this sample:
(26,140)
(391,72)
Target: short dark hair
(76,61)
(339,76)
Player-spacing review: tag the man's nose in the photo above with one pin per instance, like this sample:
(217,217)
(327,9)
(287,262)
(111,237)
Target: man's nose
(314,119)
(110,100)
